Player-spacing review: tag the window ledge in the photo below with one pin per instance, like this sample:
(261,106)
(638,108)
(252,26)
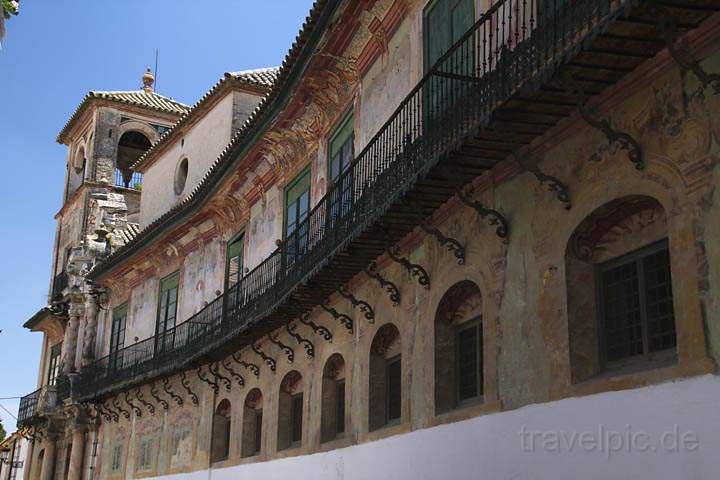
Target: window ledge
(624,380)
(393,428)
(466,411)
(339,442)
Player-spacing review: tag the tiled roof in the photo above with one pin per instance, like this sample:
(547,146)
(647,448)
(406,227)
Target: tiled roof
(123,237)
(261,77)
(301,51)
(151,100)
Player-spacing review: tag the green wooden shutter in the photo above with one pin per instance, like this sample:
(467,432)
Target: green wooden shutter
(168,302)
(297,201)
(234,261)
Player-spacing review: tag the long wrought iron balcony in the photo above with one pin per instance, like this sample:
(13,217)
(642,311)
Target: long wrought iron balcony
(60,283)
(451,127)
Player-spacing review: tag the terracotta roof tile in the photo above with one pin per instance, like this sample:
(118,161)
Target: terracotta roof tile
(261,77)
(151,100)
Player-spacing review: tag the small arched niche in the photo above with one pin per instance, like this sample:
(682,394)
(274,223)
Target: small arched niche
(619,290)
(290,411)
(385,381)
(332,420)
(252,424)
(458,348)
(220,446)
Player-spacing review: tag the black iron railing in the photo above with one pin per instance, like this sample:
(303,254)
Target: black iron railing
(28,407)
(515,43)
(128,179)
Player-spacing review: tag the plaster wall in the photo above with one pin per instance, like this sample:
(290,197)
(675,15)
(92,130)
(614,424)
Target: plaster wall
(265,227)
(654,435)
(201,145)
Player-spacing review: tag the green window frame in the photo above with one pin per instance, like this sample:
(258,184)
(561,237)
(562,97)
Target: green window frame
(341,152)
(445,21)
(297,209)
(117,333)
(234,260)
(167,309)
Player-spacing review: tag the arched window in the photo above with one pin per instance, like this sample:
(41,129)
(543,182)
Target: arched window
(385,378)
(131,147)
(252,424)
(620,306)
(290,411)
(332,421)
(220,449)
(458,347)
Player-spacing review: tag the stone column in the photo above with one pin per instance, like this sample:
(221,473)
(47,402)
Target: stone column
(88,343)
(69,347)
(76,455)
(48,463)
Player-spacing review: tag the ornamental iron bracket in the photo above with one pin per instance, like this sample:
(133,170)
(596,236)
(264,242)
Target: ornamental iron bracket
(213,383)
(341,317)
(215,370)
(387,285)
(186,385)
(106,412)
(268,360)
(554,184)
(129,402)
(291,328)
(238,378)
(119,409)
(317,329)
(451,244)
(680,50)
(139,396)
(158,398)
(248,365)
(414,269)
(274,339)
(623,140)
(364,306)
(167,389)
(495,217)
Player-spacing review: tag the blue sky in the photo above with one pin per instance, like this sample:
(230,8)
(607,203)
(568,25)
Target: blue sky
(56,51)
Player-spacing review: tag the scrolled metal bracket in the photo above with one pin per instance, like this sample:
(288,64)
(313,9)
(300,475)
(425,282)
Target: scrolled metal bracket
(248,365)
(346,321)
(495,218)
(275,339)
(554,184)
(215,370)
(167,389)
(317,329)
(119,410)
(391,289)
(137,410)
(185,382)
(106,413)
(268,360)
(680,51)
(415,270)
(238,378)
(364,306)
(622,139)
(309,347)
(451,244)
(213,383)
(155,394)
(140,397)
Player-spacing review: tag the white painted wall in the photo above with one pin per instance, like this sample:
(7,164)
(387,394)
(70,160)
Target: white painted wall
(202,145)
(491,446)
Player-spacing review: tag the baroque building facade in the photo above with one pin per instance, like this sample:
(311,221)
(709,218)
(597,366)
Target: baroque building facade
(444,237)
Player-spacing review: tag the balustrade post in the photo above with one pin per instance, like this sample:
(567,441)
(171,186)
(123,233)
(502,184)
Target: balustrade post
(77,450)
